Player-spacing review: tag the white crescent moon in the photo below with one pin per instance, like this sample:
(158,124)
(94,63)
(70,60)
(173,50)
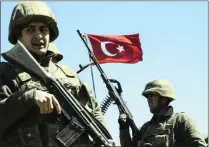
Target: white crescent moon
(105,50)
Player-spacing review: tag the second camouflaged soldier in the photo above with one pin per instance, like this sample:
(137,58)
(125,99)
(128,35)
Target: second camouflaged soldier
(166,128)
(29,115)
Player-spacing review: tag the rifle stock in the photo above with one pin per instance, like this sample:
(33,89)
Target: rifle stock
(20,56)
(111,89)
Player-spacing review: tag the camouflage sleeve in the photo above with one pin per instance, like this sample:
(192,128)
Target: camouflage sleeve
(84,94)
(97,111)
(13,105)
(92,105)
(188,131)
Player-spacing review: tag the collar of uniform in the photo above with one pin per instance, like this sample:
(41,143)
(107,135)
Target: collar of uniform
(45,60)
(164,113)
(49,66)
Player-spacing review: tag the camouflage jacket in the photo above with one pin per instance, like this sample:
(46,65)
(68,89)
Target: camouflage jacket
(166,129)
(21,123)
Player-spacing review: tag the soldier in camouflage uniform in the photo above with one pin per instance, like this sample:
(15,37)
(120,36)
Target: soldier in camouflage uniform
(29,115)
(166,128)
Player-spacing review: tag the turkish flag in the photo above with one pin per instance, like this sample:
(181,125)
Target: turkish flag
(116,48)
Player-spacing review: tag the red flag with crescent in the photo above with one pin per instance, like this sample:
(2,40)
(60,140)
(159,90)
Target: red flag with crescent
(116,48)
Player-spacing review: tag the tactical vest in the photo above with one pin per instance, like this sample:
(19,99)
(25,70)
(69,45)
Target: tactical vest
(37,135)
(159,135)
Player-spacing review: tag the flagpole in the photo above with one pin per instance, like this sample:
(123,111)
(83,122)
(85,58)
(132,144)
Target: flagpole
(92,74)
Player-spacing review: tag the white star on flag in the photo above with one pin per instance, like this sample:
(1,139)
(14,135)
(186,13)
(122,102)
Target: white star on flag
(120,48)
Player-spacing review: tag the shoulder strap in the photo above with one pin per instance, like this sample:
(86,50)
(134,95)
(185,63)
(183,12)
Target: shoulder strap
(67,70)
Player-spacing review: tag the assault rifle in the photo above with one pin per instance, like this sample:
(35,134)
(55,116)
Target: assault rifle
(113,93)
(80,119)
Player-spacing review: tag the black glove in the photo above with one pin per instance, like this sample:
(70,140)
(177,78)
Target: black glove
(124,121)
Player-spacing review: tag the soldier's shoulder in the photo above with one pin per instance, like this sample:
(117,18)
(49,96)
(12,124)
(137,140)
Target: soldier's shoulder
(4,66)
(144,126)
(3,63)
(181,116)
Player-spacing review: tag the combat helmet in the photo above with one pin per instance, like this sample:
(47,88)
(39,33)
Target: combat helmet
(161,87)
(28,11)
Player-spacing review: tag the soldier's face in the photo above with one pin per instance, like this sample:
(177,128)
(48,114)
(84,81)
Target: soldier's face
(153,102)
(35,36)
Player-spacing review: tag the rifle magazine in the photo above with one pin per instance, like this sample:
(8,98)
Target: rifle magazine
(70,133)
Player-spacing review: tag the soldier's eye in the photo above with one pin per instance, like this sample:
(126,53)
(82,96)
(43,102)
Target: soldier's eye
(44,30)
(149,96)
(30,29)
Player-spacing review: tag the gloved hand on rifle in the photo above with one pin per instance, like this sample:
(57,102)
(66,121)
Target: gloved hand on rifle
(124,121)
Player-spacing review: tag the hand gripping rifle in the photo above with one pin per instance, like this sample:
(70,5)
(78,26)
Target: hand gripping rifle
(113,93)
(80,119)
